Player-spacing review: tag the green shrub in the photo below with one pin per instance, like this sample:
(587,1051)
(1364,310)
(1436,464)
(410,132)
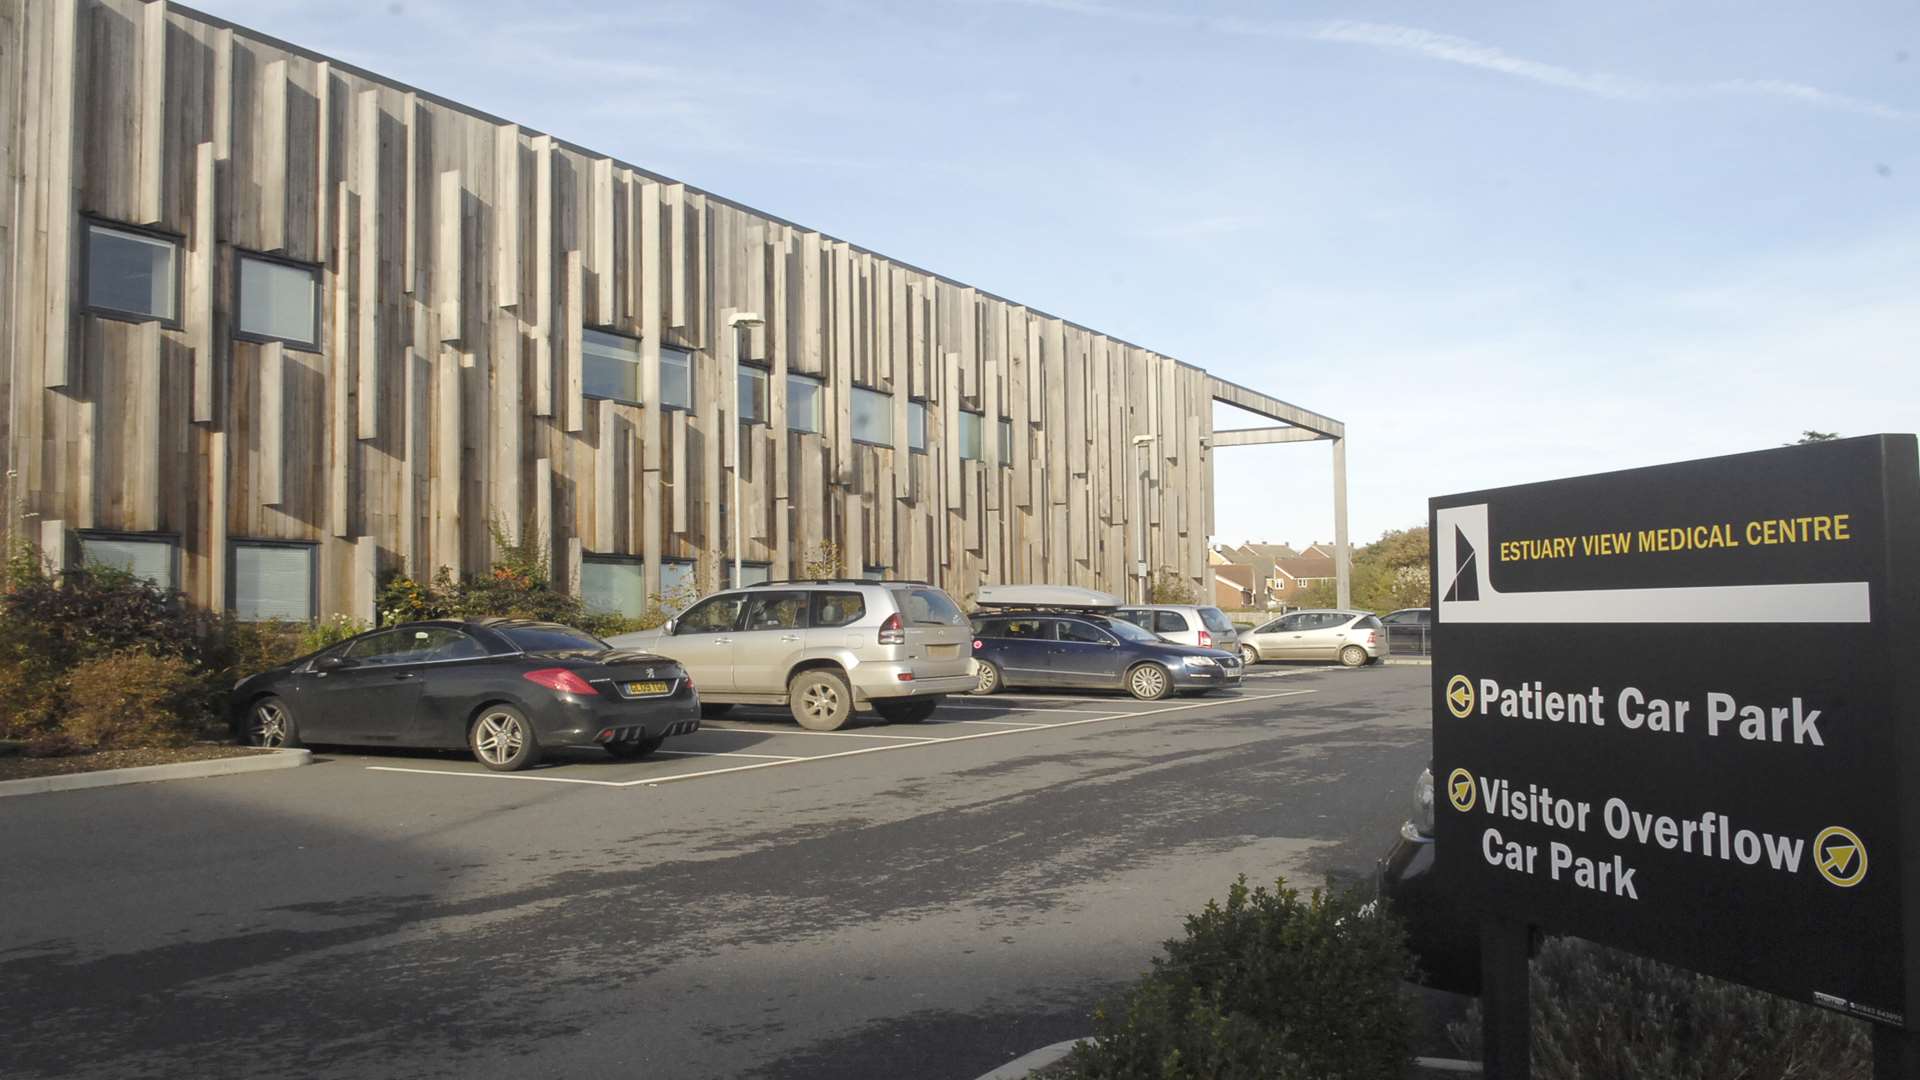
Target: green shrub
(1601,1014)
(329,631)
(1269,986)
(134,699)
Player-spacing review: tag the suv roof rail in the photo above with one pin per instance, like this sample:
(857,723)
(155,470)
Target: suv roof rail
(834,581)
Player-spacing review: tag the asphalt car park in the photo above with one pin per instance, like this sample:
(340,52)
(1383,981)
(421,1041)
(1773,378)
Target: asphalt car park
(752,738)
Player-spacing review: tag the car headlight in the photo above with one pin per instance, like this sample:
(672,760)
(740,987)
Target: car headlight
(1202,661)
(1423,802)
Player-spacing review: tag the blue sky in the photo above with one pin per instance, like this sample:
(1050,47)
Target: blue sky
(1502,243)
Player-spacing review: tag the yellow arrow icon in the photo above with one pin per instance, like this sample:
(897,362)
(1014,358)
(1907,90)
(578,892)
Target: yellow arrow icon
(1460,696)
(1460,790)
(1840,856)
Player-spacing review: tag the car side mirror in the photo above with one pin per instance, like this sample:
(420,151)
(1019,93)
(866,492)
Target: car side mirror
(332,663)
(671,627)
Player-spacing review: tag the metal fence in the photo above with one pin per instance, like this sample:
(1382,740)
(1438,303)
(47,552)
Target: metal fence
(1410,640)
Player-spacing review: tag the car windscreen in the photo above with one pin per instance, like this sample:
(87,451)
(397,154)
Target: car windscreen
(1216,620)
(540,639)
(928,607)
(1127,631)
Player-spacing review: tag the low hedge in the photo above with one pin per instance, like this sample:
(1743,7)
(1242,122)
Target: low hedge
(1602,1014)
(1268,986)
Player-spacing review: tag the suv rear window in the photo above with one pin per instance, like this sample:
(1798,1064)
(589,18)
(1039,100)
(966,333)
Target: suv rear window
(834,608)
(1216,620)
(928,607)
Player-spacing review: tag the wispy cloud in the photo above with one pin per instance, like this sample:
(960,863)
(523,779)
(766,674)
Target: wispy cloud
(1466,52)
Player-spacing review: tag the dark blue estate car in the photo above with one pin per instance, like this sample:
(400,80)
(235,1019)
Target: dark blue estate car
(1079,649)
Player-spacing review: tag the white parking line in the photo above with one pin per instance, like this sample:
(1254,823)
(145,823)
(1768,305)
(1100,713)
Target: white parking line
(909,743)
(804,731)
(728,753)
(991,723)
(1018,708)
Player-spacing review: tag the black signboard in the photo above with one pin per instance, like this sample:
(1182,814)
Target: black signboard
(1677,710)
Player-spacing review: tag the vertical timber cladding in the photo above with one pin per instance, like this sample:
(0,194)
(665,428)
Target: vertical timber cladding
(1675,710)
(458,259)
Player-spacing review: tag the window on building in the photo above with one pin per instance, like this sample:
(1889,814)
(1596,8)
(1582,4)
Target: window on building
(970,424)
(751,573)
(874,573)
(278,301)
(917,426)
(610,366)
(805,398)
(272,581)
(152,558)
(613,586)
(676,378)
(677,587)
(133,274)
(1006,443)
(753,394)
(872,417)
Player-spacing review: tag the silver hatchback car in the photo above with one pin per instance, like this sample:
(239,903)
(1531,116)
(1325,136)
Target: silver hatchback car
(1185,624)
(1355,638)
(821,648)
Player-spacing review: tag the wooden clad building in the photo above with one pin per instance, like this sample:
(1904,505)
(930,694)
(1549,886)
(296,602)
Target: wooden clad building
(275,323)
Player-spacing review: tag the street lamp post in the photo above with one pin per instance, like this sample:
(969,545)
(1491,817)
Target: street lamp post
(744,320)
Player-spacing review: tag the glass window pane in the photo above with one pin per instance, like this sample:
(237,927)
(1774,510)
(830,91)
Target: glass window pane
(272,582)
(832,609)
(150,559)
(970,423)
(130,272)
(804,404)
(1006,442)
(776,611)
(609,366)
(753,395)
(750,573)
(277,300)
(872,417)
(613,586)
(916,425)
(676,378)
(711,616)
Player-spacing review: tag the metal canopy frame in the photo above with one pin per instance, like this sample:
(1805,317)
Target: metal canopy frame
(1295,425)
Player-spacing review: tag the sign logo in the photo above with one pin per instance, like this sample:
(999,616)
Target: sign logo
(1460,790)
(1460,696)
(1840,856)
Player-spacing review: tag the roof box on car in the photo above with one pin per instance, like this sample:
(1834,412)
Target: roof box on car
(1051,596)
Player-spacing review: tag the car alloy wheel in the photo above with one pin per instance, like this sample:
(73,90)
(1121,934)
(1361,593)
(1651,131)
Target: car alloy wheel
(1249,656)
(503,739)
(820,700)
(270,725)
(1353,656)
(1148,682)
(988,679)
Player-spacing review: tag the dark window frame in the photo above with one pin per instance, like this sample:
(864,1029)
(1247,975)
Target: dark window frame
(316,270)
(820,389)
(638,363)
(234,544)
(766,371)
(980,454)
(693,396)
(1005,424)
(726,569)
(851,398)
(179,242)
(925,415)
(615,557)
(171,539)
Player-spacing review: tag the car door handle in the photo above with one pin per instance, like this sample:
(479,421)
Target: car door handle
(789,637)
(723,641)
(406,675)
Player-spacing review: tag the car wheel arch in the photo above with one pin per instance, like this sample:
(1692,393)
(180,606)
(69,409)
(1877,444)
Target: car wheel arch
(819,663)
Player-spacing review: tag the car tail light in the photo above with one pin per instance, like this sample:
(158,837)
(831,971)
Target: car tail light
(688,679)
(561,681)
(1373,637)
(893,631)
(1206,640)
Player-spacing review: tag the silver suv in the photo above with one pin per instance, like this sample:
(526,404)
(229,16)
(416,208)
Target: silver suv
(821,648)
(1187,624)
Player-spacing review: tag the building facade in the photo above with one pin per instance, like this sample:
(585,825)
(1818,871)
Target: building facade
(278,328)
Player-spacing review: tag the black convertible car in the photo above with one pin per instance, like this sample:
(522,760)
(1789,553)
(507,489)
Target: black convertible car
(505,688)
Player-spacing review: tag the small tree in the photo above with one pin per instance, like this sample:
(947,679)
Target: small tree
(825,561)
(1168,587)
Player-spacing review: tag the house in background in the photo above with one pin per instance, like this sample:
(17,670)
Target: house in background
(1233,587)
(1293,577)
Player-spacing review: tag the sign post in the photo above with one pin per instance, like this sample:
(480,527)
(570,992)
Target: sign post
(1677,711)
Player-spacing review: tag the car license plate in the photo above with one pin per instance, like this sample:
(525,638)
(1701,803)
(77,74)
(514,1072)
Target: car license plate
(943,652)
(638,689)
